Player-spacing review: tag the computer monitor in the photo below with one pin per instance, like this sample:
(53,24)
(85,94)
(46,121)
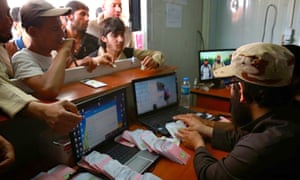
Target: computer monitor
(209,60)
(104,117)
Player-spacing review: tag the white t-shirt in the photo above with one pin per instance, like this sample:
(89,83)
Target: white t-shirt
(27,63)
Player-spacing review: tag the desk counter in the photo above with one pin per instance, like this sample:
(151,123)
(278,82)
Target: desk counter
(164,168)
(78,91)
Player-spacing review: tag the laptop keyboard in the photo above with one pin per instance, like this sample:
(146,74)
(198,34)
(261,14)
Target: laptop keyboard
(122,153)
(157,121)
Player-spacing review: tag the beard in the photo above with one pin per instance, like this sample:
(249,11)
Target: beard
(240,112)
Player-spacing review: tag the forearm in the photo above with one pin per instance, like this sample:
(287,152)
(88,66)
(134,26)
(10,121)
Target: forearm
(54,78)
(158,57)
(7,154)
(34,109)
(207,131)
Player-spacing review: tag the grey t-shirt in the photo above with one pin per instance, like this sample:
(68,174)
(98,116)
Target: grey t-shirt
(27,63)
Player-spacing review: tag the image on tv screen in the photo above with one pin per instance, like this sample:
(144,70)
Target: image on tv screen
(210,60)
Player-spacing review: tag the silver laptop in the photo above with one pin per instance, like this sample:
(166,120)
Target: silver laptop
(156,101)
(105,118)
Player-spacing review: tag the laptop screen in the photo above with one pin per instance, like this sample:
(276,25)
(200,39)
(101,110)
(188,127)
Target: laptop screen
(104,117)
(155,93)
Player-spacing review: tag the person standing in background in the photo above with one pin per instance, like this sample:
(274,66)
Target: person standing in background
(98,12)
(111,8)
(206,71)
(112,41)
(20,38)
(217,63)
(76,25)
(85,43)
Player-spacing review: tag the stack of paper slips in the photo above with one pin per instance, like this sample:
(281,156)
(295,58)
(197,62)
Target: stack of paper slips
(58,172)
(102,163)
(145,139)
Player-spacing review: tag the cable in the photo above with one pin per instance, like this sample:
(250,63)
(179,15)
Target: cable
(201,39)
(265,23)
(292,14)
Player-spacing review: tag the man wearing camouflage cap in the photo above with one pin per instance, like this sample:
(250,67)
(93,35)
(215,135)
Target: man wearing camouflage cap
(262,139)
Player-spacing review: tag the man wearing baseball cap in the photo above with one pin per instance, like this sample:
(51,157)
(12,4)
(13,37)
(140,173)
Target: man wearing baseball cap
(35,65)
(262,139)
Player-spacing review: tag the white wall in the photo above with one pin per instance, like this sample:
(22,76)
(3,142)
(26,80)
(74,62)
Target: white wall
(231,29)
(221,28)
(180,45)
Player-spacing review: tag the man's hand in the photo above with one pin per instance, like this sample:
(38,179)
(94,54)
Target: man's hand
(148,63)
(7,154)
(61,116)
(195,123)
(190,138)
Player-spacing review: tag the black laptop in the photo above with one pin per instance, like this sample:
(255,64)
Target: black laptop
(105,118)
(156,101)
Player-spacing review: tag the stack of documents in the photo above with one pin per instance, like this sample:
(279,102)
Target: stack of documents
(102,163)
(146,139)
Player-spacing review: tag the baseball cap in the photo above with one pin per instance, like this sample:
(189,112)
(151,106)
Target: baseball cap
(34,9)
(259,63)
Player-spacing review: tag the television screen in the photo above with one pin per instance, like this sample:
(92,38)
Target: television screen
(210,60)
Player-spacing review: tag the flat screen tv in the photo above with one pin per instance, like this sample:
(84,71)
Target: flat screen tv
(211,59)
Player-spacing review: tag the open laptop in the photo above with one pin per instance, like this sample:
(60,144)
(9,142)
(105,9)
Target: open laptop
(105,118)
(156,101)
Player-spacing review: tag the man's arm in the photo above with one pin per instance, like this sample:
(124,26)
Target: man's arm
(154,58)
(12,98)
(48,84)
(7,154)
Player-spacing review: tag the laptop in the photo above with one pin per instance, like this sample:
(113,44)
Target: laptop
(156,101)
(104,119)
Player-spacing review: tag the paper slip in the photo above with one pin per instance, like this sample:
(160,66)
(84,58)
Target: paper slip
(58,172)
(175,153)
(102,163)
(149,139)
(125,139)
(173,127)
(85,176)
(161,146)
(136,137)
(93,83)
(94,162)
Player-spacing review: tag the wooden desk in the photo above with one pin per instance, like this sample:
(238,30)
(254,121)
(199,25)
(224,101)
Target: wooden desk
(215,99)
(169,170)
(77,91)
(164,168)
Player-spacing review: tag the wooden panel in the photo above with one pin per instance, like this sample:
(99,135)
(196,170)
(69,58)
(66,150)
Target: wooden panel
(214,99)
(209,102)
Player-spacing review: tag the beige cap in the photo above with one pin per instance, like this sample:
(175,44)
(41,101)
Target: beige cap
(260,63)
